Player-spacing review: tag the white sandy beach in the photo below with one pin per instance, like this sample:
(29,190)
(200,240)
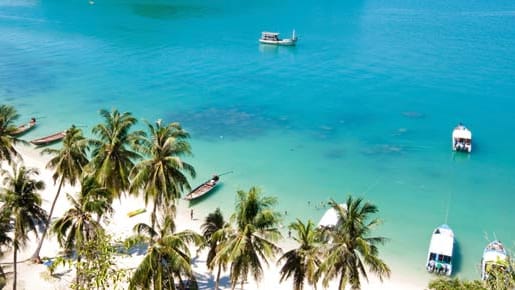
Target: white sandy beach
(36,276)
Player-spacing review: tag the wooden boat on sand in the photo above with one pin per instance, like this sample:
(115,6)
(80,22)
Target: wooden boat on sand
(25,127)
(203,189)
(49,139)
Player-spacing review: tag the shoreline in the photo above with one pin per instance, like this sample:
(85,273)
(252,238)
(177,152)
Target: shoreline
(33,276)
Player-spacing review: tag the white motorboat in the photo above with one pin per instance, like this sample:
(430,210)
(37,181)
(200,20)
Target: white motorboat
(461,139)
(494,257)
(274,39)
(439,256)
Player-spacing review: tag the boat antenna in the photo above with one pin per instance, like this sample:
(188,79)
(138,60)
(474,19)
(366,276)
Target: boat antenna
(230,171)
(293,35)
(448,206)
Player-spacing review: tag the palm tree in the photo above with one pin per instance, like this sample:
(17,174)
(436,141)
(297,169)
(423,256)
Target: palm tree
(214,230)
(350,248)
(5,228)
(77,226)
(68,163)
(161,176)
(112,158)
(8,115)
(303,262)
(253,239)
(167,259)
(78,223)
(23,203)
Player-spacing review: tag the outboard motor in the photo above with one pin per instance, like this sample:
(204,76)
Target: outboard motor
(431,266)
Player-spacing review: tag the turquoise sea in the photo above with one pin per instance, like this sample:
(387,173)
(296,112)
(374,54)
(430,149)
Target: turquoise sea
(365,104)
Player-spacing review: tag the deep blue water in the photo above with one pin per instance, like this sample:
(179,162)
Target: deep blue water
(365,104)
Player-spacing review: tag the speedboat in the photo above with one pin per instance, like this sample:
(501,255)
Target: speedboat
(274,39)
(439,256)
(495,257)
(461,139)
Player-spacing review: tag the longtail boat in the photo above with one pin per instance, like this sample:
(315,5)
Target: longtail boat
(49,139)
(25,127)
(203,189)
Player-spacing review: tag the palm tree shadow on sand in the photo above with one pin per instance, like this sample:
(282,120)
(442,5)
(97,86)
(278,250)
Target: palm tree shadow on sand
(205,281)
(139,249)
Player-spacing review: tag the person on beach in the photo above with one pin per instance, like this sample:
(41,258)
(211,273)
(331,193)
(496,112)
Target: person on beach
(191,213)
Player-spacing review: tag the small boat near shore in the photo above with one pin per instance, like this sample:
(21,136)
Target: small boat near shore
(330,217)
(494,258)
(461,139)
(274,39)
(439,256)
(203,189)
(24,128)
(49,139)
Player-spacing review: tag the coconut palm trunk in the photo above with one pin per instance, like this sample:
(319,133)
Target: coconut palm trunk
(15,260)
(68,163)
(35,256)
(217,282)
(153,217)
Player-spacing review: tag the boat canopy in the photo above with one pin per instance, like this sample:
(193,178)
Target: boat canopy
(462,133)
(269,33)
(442,241)
(330,217)
(494,256)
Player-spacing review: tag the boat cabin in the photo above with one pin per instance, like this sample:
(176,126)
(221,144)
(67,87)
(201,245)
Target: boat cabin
(270,36)
(461,139)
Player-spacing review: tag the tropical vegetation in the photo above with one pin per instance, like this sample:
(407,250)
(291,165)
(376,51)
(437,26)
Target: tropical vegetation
(302,263)
(68,163)
(21,202)
(214,230)
(251,241)
(161,178)
(113,153)
(8,138)
(351,249)
(167,262)
(152,164)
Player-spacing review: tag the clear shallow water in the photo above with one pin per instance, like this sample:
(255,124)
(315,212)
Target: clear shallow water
(365,104)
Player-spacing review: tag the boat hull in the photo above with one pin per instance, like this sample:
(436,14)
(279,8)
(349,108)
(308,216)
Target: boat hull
(23,129)
(49,139)
(203,189)
(283,42)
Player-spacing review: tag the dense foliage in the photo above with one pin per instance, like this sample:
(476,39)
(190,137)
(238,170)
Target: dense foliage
(151,164)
